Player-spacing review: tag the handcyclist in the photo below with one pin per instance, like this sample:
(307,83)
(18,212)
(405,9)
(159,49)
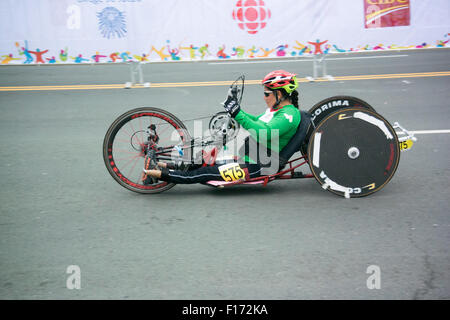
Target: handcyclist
(279,121)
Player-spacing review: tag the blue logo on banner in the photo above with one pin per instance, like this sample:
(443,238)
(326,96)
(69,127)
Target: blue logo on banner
(111,23)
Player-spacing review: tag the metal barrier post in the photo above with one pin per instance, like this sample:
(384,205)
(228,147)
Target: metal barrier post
(319,62)
(136,70)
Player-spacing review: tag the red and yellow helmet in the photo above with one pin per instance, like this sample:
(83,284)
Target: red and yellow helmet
(280,79)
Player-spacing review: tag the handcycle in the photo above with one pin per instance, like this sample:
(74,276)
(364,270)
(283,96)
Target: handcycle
(350,149)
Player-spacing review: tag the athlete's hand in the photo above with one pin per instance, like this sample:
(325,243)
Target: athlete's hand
(232,106)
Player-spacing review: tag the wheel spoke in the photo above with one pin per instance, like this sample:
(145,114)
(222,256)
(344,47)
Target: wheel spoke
(128,158)
(126,151)
(128,162)
(132,168)
(134,134)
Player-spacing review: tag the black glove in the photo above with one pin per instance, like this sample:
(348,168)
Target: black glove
(231,105)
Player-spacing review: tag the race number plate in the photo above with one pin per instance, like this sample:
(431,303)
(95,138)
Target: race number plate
(232,172)
(405,145)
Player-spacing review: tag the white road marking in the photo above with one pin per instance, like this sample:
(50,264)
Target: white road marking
(309,59)
(430,131)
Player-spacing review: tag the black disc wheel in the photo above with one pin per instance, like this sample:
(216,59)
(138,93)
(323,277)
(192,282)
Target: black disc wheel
(327,106)
(353,152)
(126,144)
(324,108)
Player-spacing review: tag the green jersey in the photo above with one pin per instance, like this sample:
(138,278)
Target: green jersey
(267,127)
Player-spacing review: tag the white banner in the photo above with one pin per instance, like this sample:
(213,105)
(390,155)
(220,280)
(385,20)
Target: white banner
(77,31)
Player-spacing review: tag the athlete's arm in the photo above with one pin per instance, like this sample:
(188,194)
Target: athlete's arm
(249,116)
(282,121)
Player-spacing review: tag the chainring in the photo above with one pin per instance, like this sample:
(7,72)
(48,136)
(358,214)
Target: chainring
(223,127)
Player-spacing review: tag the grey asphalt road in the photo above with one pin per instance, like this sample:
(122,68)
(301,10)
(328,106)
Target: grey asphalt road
(59,206)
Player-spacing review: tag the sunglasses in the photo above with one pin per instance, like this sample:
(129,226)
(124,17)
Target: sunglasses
(267,93)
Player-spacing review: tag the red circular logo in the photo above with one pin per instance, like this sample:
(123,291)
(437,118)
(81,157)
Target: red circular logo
(251,15)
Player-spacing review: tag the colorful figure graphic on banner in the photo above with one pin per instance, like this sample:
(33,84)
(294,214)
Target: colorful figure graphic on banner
(238,51)
(365,48)
(160,53)
(191,50)
(441,43)
(378,47)
(38,54)
(64,54)
(266,52)
(111,23)
(97,56)
(300,53)
(204,51)
(174,53)
(125,56)
(51,60)
(221,53)
(281,50)
(7,58)
(301,47)
(396,47)
(317,46)
(114,57)
(338,49)
(19,51)
(79,59)
(142,58)
(327,49)
(29,57)
(422,46)
(251,52)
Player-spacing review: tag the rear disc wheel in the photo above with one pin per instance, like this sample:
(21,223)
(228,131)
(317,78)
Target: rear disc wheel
(353,152)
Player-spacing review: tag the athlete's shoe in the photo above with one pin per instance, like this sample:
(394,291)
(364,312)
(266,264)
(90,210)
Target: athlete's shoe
(149,164)
(178,165)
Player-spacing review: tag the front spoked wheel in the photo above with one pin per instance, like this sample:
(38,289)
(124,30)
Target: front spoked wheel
(127,142)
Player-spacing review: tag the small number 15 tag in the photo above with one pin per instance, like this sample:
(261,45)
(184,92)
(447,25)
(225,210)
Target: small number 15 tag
(405,145)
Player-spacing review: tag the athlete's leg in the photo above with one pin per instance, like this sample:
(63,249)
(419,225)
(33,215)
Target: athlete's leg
(203,174)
